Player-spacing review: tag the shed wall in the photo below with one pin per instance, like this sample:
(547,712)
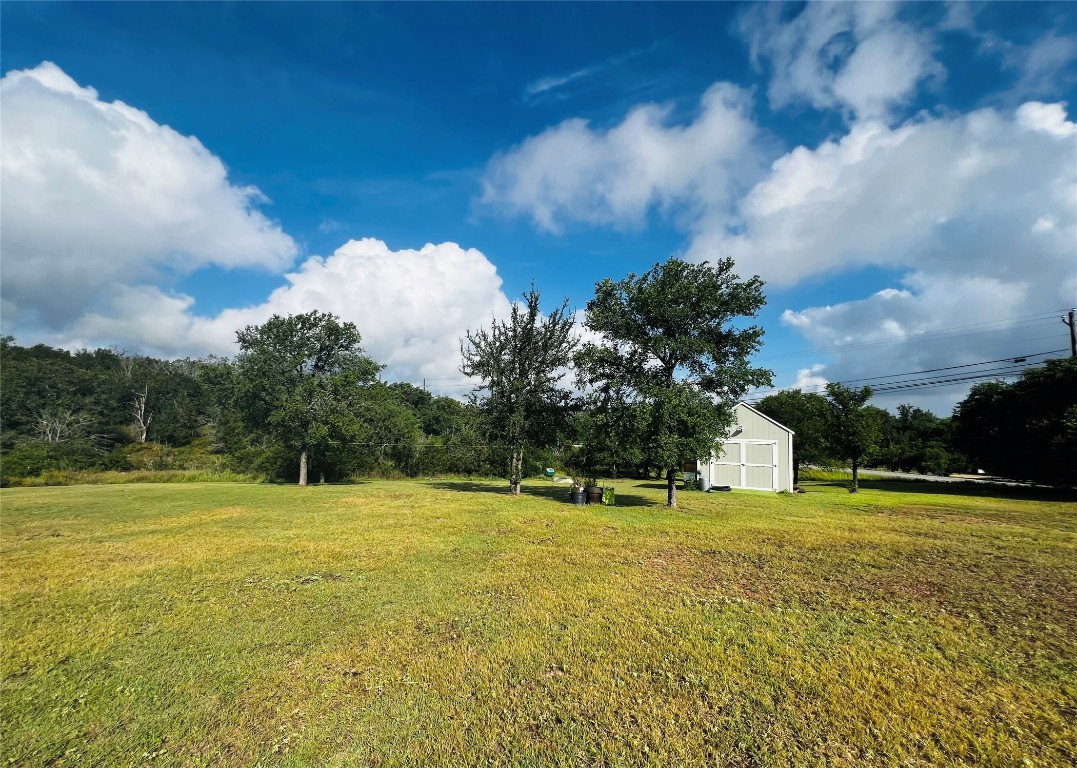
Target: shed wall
(760,442)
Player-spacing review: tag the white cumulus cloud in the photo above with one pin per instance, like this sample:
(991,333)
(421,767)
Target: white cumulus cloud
(97,195)
(956,195)
(858,57)
(977,212)
(103,208)
(573,173)
(932,322)
(412,307)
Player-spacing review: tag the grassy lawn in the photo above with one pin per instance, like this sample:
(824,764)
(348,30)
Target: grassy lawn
(445,623)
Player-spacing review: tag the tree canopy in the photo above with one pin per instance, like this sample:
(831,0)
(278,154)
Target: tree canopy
(854,426)
(807,414)
(673,359)
(520,363)
(297,377)
(1027,429)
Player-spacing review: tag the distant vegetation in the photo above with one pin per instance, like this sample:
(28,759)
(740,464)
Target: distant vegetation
(66,414)
(303,401)
(69,415)
(1026,430)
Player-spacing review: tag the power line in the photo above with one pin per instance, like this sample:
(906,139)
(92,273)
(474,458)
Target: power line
(898,381)
(897,377)
(1029,321)
(1014,358)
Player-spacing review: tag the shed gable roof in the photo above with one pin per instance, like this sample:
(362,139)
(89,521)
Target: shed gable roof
(762,415)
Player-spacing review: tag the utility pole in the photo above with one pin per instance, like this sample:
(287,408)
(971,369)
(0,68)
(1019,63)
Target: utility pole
(1069,320)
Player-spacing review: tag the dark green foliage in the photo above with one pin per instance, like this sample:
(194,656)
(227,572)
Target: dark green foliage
(520,362)
(807,414)
(608,437)
(1026,430)
(672,362)
(296,379)
(41,382)
(915,440)
(27,459)
(207,415)
(855,427)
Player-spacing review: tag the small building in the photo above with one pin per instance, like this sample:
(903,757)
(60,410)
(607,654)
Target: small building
(758,454)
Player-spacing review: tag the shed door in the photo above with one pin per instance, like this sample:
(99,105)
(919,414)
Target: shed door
(749,464)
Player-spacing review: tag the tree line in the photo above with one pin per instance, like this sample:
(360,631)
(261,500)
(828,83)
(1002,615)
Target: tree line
(108,410)
(1025,430)
(667,357)
(666,360)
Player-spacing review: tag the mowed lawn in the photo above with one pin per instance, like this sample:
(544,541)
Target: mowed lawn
(444,623)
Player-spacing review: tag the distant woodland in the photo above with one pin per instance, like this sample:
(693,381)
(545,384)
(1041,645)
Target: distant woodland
(106,410)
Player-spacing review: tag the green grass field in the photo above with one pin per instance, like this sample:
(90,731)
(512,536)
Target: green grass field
(444,623)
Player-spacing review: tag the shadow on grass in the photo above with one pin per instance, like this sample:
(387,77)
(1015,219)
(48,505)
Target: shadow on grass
(546,491)
(560,493)
(471,486)
(982,490)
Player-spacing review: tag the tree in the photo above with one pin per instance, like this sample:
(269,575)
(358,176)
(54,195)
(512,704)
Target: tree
(806,413)
(672,358)
(59,426)
(607,432)
(520,362)
(297,376)
(143,418)
(855,427)
(918,440)
(1026,430)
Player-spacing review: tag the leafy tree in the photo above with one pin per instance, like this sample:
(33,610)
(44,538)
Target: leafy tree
(981,424)
(855,427)
(40,383)
(1027,429)
(917,440)
(807,414)
(392,430)
(1046,398)
(520,362)
(672,360)
(297,377)
(607,431)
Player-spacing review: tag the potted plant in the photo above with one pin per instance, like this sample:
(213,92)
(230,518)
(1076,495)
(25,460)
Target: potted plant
(593,490)
(578,495)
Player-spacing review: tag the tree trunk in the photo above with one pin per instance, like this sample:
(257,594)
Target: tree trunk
(142,419)
(516,470)
(855,486)
(796,471)
(303,468)
(671,488)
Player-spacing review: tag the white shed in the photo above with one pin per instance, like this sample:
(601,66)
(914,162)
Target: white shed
(758,454)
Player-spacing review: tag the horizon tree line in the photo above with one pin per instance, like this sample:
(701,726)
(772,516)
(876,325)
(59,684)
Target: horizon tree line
(656,386)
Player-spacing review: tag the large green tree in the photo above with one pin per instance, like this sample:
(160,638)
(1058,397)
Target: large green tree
(297,379)
(520,363)
(854,427)
(806,413)
(1027,429)
(674,354)
(918,440)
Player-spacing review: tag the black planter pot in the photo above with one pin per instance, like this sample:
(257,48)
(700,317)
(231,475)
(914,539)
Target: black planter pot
(579,498)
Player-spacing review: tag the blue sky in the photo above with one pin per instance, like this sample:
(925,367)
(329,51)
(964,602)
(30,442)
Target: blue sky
(901,175)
